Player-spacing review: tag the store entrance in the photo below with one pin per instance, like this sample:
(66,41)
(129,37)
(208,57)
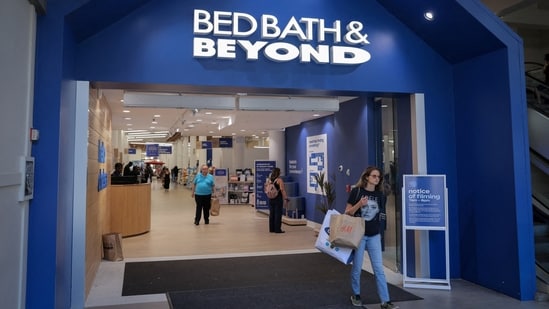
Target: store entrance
(387,145)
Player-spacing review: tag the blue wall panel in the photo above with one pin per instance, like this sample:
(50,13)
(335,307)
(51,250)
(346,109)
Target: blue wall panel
(487,213)
(153,45)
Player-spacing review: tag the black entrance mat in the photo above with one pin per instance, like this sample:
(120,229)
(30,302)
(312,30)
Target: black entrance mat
(312,280)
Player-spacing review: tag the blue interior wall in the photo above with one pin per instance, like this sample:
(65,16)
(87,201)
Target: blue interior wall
(152,45)
(298,151)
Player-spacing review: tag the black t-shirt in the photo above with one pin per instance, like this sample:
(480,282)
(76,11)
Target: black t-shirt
(370,212)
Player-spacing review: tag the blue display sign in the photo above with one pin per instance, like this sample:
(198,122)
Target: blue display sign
(424,198)
(132,151)
(262,171)
(206,145)
(102,180)
(226,142)
(220,172)
(152,150)
(101,152)
(165,149)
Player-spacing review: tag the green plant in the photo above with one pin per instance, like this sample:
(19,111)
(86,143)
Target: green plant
(327,190)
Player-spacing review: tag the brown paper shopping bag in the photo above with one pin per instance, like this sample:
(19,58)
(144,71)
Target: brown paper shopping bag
(346,231)
(112,247)
(215,207)
(344,255)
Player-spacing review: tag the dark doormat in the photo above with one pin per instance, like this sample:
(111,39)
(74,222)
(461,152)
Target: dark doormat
(312,280)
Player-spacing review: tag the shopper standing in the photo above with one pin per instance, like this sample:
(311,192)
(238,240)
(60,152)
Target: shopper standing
(128,169)
(276,204)
(367,200)
(166,178)
(175,173)
(118,169)
(202,188)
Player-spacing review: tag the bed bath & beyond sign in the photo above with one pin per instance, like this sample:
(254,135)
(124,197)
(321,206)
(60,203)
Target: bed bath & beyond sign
(221,25)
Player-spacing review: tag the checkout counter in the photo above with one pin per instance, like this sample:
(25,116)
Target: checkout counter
(130,208)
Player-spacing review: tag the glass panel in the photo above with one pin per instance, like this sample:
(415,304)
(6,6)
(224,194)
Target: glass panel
(391,254)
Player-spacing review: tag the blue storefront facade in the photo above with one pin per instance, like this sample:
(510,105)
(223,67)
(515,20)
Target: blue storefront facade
(466,64)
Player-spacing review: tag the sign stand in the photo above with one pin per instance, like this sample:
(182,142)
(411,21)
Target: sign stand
(425,208)
(263,169)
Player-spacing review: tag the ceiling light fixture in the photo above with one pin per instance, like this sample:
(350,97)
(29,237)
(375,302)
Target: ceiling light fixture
(429,15)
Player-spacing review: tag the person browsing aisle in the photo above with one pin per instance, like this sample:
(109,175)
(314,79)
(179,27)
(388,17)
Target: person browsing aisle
(277,203)
(202,188)
(367,200)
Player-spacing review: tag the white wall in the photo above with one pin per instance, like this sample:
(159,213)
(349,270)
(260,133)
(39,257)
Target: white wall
(16,96)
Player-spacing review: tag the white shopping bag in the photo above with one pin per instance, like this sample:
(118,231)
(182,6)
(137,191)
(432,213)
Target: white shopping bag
(344,255)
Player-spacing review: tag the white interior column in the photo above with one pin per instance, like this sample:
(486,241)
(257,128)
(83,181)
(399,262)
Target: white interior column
(419,155)
(277,148)
(118,141)
(192,151)
(185,150)
(201,153)
(239,146)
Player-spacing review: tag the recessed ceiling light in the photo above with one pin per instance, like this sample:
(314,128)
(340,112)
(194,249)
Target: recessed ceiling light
(128,118)
(152,127)
(208,113)
(156,116)
(429,15)
(316,115)
(154,122)
(129,124)
(126,111)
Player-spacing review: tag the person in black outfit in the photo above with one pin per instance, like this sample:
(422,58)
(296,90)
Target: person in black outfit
(118,167)
(128,169)
(175,172)
(148,172)
(166,173)
(276,204)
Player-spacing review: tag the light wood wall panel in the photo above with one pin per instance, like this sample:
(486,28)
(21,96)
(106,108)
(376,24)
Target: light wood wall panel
(97,202)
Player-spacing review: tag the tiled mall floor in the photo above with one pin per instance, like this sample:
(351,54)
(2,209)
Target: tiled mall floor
(241,231)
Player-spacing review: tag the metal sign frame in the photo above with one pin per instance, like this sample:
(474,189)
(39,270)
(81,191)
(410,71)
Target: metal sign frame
(422,211)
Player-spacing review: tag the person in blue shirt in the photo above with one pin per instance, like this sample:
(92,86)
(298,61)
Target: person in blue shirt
(202,188)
